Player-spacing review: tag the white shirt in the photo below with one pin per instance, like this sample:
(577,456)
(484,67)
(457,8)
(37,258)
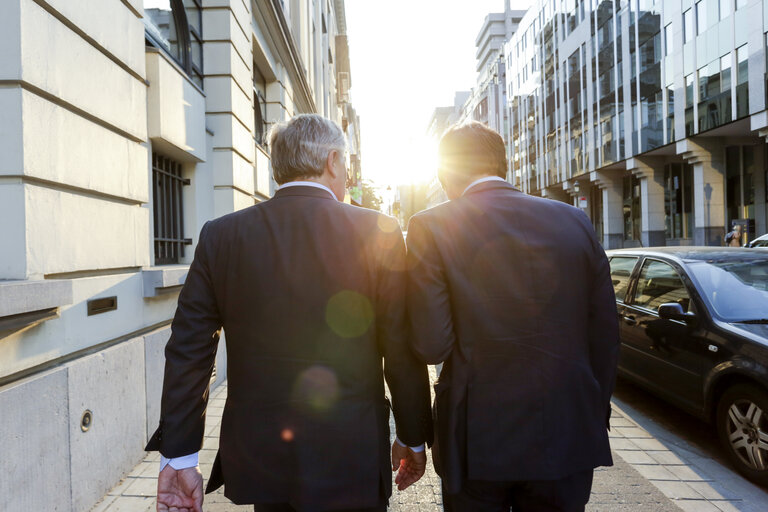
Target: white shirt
(192,460)
(483,180)
(307,184)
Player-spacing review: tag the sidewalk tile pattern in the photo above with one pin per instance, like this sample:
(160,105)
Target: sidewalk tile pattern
(646,476)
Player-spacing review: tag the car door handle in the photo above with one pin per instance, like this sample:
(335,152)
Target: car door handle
(630,320)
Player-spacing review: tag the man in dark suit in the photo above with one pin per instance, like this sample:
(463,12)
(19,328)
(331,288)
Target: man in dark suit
(513,293)
(310,294)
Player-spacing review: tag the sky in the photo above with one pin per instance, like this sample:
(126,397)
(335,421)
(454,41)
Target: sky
(407,58)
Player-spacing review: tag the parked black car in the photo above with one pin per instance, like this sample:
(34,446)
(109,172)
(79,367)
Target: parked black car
(694,330)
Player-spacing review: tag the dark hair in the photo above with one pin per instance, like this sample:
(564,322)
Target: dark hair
(472,149)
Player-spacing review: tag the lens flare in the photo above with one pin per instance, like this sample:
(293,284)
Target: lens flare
(349,314)
(317,387)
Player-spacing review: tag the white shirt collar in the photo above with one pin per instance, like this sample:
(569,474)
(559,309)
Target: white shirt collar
(482,180)
(308,184)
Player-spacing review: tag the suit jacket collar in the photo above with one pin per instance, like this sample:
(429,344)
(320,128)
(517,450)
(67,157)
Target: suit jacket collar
(490,185)
(300,190)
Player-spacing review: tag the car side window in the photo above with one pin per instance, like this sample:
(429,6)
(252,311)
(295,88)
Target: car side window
(659,283)
(621,271)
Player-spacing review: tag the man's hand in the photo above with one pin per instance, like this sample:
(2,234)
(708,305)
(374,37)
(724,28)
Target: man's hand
(180,491)
(411,465)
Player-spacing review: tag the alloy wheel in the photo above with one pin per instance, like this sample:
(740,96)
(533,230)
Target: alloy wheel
(747,428)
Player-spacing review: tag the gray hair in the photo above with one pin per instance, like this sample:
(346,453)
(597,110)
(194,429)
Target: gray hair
(300,146)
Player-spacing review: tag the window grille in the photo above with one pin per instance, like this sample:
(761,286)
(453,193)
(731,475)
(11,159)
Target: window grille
(168,207)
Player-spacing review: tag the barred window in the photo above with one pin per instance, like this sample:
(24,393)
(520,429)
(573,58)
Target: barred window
(168,207)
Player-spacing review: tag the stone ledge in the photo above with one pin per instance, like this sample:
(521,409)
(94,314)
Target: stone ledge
(161,280)
(19,297)
(24,304)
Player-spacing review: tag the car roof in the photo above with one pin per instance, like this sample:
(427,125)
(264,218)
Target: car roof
(691,254)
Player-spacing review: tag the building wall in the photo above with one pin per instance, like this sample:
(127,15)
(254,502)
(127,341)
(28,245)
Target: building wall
(88,106)
(649,125)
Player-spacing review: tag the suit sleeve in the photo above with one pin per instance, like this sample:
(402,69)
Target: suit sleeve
(429,307)
(189,358)
(405,374)
(603,323)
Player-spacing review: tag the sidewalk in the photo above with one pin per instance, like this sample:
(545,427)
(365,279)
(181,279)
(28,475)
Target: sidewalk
(646,476)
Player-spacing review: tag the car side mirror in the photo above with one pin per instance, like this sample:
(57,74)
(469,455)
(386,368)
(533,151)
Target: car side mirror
(674,311)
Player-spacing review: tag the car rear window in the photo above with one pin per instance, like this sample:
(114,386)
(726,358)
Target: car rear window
(621,270)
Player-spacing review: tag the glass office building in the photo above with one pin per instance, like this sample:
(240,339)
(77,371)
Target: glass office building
(651,116)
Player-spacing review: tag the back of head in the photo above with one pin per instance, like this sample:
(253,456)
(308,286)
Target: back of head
(300,146)
(471,150)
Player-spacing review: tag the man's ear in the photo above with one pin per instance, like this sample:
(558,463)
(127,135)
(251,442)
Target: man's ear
(330,163)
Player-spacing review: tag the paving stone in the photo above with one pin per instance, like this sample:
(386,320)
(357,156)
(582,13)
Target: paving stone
(685,473)
(141,487)
(678,490)
(649,444)
(665,457)
(623,444)
(708,491)
(697,506)
(657,472)
(636,457)
(633,432)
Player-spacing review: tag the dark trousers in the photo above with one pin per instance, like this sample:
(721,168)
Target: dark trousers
(569,494)
(284,507)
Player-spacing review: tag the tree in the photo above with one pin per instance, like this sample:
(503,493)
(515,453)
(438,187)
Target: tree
(371,198)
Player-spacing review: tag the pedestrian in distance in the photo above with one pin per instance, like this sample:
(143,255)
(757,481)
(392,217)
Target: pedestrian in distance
(733,238)
(309,292)
(513,294)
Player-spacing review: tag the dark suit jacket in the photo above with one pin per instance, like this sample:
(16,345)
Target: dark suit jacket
(513,292)
(310,293)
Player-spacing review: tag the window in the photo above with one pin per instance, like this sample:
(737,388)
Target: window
(194,14)
(259,106)
(740,4)
(688,25)
(725,8)
(689,90)
(621,271)
(701,17)
(659,284)
(168,209)
(678,200)
(669,44)
(742,79)
(176,27)
(631,208)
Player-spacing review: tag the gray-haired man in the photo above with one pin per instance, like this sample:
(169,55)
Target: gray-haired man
(310,293)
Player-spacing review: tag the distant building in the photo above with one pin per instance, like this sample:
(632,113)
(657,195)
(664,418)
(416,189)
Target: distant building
(442,119)
(651,116)
(124,130)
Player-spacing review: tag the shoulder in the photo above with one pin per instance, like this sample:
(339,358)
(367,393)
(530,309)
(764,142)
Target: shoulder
(367,216)
(225,222)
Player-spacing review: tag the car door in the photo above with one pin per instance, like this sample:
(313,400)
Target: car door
(622,272)
(674,352)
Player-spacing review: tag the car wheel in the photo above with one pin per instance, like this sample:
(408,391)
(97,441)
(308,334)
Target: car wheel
(742,425)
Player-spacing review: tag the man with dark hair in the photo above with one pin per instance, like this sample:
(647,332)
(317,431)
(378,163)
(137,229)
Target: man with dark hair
(513,293)
(309,292)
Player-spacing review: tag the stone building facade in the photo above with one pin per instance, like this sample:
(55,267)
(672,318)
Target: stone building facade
(127,124)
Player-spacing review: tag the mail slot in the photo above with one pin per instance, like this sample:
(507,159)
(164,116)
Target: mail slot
(98,306)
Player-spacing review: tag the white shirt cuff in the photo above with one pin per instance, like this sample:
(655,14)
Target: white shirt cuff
(177,463)
(415,449)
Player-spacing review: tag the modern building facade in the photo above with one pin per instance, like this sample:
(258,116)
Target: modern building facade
(127,124)
(650,115)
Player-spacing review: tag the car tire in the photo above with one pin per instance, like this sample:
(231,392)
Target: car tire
(742,426)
